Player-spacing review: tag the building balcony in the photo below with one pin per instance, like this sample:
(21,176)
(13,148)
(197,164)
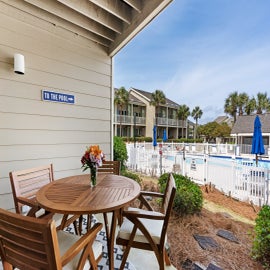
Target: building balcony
(172,122)
(129,120)
(163,121)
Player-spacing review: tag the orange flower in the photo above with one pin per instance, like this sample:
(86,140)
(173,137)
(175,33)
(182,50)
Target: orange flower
(92,157)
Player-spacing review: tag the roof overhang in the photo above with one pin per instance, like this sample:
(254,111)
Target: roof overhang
(109,23)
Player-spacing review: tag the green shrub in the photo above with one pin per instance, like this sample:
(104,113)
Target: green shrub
(132,175)
(125,139)
(162,180)
(120,151)
(148,139)
(188,198)
(261,243)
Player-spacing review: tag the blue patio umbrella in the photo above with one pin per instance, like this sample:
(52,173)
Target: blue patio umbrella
(257,139)
(155,136)
(164,138)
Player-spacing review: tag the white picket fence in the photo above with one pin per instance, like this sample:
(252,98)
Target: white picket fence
(239,178)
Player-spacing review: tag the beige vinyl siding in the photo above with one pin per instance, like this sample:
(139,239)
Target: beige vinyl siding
(35,132)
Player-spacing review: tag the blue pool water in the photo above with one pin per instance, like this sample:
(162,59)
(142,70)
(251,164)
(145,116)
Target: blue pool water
(263,163)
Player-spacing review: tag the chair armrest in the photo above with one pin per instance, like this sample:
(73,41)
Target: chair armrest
(85,242)
(31,203)
(151,193)
(26,201)
(143,214)
(144,202)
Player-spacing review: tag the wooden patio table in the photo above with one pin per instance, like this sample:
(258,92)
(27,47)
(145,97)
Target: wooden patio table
(73,195)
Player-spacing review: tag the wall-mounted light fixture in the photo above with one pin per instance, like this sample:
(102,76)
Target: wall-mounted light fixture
(19,63)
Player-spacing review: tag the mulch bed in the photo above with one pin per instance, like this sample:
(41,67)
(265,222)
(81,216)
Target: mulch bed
(229,255)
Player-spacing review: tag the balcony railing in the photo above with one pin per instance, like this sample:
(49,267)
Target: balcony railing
(163,121)
(127,119)
(172,122)
(140,120)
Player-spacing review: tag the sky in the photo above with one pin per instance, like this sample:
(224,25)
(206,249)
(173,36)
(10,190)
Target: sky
(200,51)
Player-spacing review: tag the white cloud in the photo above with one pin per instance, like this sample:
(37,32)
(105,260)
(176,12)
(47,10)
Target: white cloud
(200,53)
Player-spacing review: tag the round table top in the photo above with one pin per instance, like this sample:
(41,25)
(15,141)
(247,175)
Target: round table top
(73,195)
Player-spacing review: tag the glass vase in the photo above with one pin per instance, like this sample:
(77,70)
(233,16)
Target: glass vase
(93,176)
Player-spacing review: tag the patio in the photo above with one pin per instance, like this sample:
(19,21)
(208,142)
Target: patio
(137,259)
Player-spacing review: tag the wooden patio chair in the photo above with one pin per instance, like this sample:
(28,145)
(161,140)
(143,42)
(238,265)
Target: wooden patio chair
(29,243)
(25,184)
(110,166)
(147,229)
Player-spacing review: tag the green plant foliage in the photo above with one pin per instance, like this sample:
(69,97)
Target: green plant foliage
(120,151)
(132,175)
(148,139)
(188,199)
(261,243)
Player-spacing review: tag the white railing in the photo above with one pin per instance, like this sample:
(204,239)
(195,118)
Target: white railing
(172,122)
(127,119)
(239,178)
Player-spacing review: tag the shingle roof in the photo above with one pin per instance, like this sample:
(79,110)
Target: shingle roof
(245,123)
(221,119)
(148,95)
(224,119)
(133,99)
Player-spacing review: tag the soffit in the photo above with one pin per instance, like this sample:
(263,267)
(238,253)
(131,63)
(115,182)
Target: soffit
(109,23)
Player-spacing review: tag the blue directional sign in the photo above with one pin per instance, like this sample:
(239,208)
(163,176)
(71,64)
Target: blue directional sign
(57,97)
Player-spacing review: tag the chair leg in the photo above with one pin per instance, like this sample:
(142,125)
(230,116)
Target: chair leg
(89,221)
(161,260)
(120,216)
(128,247)
(76,229)
(166,257)
(63,223)
(106,222)
(80,224)
(7,266)
(124,258)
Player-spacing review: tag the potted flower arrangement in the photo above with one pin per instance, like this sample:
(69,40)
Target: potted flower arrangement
(92,159)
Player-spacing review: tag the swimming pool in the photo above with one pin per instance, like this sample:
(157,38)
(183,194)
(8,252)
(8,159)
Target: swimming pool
(200,159)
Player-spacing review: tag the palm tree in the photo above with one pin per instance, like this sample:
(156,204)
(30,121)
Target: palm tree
(250,106)
(158,98)
(242,102)
(262,103)
(196,114)
(121,99)
(183,113)
(231,105)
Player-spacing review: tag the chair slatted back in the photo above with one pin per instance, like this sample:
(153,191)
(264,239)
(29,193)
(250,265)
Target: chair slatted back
(168,200)
(110,167)
(170,188)
(26,183)
(148,242)
(28,243)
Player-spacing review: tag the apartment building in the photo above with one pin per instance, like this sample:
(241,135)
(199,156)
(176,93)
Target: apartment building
(138,118)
